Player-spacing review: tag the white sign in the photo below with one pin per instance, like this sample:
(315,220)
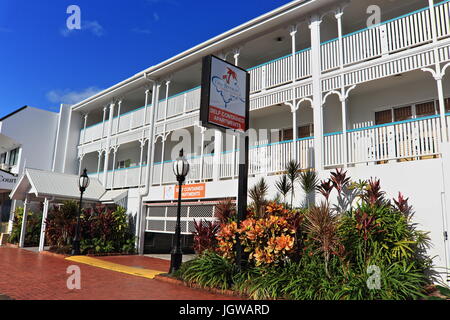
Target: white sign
(224,95)
(7,181)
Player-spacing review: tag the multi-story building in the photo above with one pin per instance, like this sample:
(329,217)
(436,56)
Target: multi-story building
(330,87)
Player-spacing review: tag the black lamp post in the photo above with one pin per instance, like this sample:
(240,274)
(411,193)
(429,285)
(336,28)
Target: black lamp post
(83,183)
(181,170)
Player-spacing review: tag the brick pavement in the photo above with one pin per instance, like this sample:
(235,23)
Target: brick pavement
(26,275)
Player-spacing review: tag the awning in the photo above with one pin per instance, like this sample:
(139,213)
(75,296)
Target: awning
(119,197)
(7,143)
(38,185)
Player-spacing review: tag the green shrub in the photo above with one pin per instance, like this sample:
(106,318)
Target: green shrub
(33,228)
(209,270)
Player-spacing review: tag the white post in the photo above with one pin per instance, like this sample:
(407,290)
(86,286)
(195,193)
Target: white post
(43,226)
(167,99)
(108,143)
(115,149)
(118,116)
(147,93)
(293,33)
(84,128)
(23,229)
(80,164)
(100,152)
(344,130)
(104,120)
(233,171)
(202,152)
(11,216)
(163,147)
(317,92)
(438,79)
(218,148)
(294,132)
(155,106)
(142,142)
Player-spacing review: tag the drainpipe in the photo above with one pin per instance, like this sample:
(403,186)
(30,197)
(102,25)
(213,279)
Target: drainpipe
(140,216)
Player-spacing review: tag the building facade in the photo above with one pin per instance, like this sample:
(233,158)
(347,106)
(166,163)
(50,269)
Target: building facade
(27,139)
(331,87)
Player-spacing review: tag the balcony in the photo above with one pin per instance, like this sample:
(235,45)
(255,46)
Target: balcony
(404,32)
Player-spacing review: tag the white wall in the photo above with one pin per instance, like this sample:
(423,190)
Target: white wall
(36,130)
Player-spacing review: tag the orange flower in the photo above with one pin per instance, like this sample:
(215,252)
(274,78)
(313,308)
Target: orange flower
(284,242)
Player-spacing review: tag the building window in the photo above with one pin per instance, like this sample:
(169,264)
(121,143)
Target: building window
(383,117)
(306,131)
(425,109)
(3,158)
(13,157)
(288,134)
(123,164)
(403,113)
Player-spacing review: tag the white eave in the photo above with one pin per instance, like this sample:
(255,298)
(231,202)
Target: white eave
(282,15)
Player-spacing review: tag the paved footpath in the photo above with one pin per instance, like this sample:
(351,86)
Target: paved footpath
(26,275)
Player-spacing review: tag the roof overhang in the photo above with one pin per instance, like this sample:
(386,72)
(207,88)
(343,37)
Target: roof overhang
(7,143)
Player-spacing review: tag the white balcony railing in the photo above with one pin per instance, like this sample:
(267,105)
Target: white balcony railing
(410,139)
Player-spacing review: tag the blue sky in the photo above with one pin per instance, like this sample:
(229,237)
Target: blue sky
(43,65)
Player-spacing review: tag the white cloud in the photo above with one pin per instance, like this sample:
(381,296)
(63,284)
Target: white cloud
(92,26)
(68,96)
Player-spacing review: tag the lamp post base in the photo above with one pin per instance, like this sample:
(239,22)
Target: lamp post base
(176,258)
(76,248)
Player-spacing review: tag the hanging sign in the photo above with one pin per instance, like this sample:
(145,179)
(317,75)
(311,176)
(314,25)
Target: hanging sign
(225,95)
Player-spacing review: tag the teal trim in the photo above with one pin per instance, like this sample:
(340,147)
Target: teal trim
(97,124)
(179,94)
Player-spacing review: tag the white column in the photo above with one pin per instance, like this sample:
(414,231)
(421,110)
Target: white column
(338,17)
(142,143)
(104,120)
(84,127)
(167,99)
(80,165)
(294,131)
(218,149)
(293,33)
(100,152)
(317,92)
(147,93)
(433,20)
(119,107)
(11,216)
(43,226)
(444,126)
(202,152)
(152,142)
(344,130)
(108,143)
(23,229)
(163,147)
(115,149)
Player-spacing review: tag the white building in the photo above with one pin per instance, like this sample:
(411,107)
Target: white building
(27,138)
(332,92)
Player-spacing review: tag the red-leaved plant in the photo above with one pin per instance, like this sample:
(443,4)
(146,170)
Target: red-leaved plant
(205,235)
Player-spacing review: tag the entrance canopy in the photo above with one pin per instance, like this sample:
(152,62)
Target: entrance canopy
(37,185)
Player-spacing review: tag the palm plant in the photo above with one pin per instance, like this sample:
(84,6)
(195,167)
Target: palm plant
(308,181)
(322,227)
(258,195)
(293,173)
(225,211)
(284,186)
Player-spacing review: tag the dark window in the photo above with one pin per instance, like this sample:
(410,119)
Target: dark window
(403,113)
(288,134)
(447,105)
(383,117)
(13,157)
(425,109)
(306,131)
(3,158)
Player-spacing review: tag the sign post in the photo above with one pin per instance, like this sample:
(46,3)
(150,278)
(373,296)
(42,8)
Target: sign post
(225,105)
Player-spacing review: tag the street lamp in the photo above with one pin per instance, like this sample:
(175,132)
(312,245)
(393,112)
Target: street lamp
(83,183)
(181,170)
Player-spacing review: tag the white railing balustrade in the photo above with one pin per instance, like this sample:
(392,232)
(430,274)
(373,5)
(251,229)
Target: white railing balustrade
(410,140)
